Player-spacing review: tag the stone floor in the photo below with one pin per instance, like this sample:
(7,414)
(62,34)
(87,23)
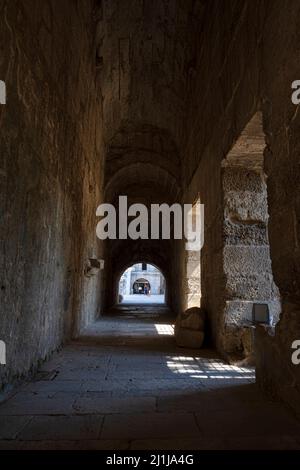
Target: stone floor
(143,299)
(125,385)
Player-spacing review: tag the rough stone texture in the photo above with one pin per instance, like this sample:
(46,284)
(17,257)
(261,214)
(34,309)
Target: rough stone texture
(246,253)
(154,396)
(178,84)
(246,60)
(189,328)
(192,279)
(51,174)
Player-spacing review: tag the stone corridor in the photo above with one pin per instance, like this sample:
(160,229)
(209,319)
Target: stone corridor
(119,115)
(125,385)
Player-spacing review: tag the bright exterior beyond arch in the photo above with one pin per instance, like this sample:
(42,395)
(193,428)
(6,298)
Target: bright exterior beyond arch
(142,283)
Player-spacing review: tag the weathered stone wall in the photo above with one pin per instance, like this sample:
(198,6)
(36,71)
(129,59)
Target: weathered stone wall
(180,81)
(246,254)
(247,56)
(192,278)
(51,177)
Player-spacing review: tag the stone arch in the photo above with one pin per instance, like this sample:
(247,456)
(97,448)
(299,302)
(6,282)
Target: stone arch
(246,260)
(128,252)
(127,181)
(143,163)
(142,143)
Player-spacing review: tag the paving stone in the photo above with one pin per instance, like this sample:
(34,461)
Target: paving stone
(55,386)
(149,425)
(150,397)
(255,421)
(190,402)
(202,443)
(62,428)
(92,402)
(10,426)
(65,445)
(31,403)
(282,442)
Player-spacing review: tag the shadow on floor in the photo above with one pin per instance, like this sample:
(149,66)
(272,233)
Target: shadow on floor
(125,385)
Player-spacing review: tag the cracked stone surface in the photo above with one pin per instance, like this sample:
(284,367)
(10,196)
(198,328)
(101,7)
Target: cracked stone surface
(154,100)
(124,384)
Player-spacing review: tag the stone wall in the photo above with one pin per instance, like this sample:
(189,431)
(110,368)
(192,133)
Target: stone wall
(246,253)
(178,83)
(246,61)
(192,278)
(51,174)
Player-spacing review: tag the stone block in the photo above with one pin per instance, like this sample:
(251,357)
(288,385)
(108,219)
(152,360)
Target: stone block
(186,338)
(189,328)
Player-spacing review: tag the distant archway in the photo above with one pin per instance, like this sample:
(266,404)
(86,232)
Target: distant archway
(142,283)
(141,286)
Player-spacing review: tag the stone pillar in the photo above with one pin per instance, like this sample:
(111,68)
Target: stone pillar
(193,285)
(246,254)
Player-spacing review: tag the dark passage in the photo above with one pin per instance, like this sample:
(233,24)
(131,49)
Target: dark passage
(124,385)
(165,103)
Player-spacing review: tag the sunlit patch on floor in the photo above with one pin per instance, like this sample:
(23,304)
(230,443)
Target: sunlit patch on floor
(166,330)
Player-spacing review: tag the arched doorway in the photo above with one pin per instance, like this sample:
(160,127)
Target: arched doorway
(141,286)
(142,283)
